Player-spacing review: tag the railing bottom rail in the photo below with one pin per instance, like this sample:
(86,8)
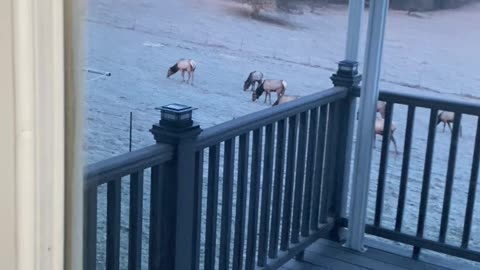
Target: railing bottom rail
(419,242)
(284,256)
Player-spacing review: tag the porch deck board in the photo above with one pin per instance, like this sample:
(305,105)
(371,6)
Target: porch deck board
(325,254)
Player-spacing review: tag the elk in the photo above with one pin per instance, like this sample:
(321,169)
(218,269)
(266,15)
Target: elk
(380,127)
(183,65)
(255,77)
(269,86)
(447,119)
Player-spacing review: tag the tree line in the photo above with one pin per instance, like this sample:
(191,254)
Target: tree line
(418,5)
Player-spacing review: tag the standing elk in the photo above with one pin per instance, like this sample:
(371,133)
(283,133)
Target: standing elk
(269,86)
(183,65)
(254,80)
(447,119)
(379,130)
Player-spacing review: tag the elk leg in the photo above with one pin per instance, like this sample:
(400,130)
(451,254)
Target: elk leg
(266,94)
(444,126)
(183,75)
(394,143)
(191,82)
(450,126)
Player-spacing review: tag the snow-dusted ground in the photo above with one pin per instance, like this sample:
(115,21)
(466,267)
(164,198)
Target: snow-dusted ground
(137,40)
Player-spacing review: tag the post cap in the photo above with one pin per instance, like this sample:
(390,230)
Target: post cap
(347,74)
(176,115)
(175,124)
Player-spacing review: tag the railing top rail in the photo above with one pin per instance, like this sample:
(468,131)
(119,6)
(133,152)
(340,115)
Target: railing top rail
(101,172)
(425,101)
(238,126)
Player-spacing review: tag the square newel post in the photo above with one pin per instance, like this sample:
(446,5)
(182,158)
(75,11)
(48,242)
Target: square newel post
(347,76)
(172,226)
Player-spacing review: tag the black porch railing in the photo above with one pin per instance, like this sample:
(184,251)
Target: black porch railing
(261,182)
(157,160)
(256,191)
(434,105)
(274,166)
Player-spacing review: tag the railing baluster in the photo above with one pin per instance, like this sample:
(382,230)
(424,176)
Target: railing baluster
(90,213)
(299,178)
(277,189)
(289,180)
(329,173)
(312,138)
(199,156)
(253,201)
(383,164)
(405,165)
(212,204)
(450,174)
(426,178)
(154,234)
(266,196)
(114,190)
(317,184)
(467,227)
(135,232)
(241,202)
(162,207)
(225,237)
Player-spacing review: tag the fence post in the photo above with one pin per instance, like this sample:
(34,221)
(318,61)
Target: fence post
(175,213)
(346,76)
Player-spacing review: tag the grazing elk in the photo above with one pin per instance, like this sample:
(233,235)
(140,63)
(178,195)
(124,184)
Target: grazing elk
(380,127)
(254,79)
(447,119)
(284,99)
(183,65)
(269,86)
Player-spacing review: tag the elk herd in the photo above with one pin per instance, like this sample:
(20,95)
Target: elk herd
(258,86)
(255,82)
(444,117)
(268,87)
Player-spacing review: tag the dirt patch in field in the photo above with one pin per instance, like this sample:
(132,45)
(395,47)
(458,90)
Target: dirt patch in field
(270,16)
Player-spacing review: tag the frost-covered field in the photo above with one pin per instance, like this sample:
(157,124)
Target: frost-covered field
(137,40)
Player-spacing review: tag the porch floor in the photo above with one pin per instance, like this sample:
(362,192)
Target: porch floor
(325,254)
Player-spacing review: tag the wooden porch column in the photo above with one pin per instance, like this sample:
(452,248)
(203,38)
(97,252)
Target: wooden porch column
(365,131)
(355,18)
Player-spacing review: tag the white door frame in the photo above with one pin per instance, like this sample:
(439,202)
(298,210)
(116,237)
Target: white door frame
(43,39)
